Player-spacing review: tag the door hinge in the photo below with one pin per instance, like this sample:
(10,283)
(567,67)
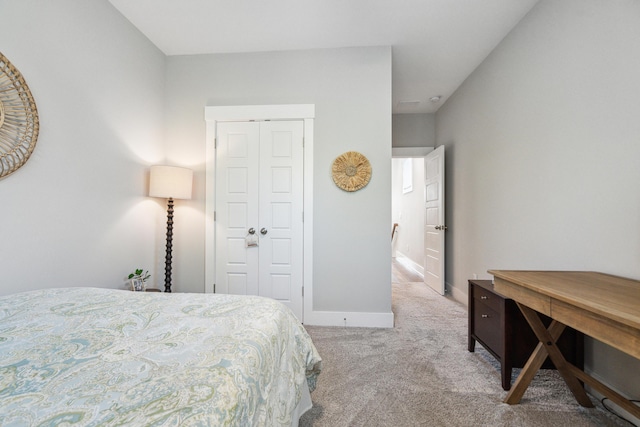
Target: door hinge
(215,143)
(302,142)
(303,291)
(302,216)
(214,288)
(214,216)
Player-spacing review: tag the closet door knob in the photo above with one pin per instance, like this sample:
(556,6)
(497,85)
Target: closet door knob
(263,231)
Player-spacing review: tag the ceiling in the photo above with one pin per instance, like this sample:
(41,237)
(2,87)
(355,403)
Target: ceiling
(436,44)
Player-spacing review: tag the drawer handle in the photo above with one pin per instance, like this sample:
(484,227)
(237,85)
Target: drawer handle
(484,316)
(484,297)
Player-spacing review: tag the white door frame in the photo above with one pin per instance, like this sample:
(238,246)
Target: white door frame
(214,114)
(422,152)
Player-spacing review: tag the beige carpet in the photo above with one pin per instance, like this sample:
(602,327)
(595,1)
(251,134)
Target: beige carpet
(421,374)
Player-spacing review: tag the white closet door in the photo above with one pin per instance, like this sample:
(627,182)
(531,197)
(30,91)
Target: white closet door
(259,189)
(281,185)
(237,188)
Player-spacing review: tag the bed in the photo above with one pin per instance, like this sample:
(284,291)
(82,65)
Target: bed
(89,357)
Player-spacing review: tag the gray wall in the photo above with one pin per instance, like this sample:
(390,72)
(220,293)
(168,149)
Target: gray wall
(77,213)
(414,130)
(542,154)
(351,89)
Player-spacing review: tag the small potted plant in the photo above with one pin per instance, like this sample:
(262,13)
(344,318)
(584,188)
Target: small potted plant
(138,280)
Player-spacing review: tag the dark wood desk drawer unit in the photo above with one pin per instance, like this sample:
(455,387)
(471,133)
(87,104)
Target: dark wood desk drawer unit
(498,325)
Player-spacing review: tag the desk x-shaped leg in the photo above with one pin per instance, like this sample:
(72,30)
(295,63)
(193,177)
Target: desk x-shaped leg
(546,347)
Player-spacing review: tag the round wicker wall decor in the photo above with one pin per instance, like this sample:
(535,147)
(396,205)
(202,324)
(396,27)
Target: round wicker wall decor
(19,124)
(351,171)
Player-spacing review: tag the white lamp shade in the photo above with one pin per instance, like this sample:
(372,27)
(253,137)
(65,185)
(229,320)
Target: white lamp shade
(170,181)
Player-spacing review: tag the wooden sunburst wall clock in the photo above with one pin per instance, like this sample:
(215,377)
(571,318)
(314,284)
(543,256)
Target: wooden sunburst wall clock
(19,123)
(351,171)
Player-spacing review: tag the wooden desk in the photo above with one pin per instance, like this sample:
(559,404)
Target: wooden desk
(498,324)
(604,307)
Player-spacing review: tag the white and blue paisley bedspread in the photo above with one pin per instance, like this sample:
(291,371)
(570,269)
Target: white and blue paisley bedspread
(101,357)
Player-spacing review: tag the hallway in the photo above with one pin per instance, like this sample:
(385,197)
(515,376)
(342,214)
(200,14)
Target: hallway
(401,274)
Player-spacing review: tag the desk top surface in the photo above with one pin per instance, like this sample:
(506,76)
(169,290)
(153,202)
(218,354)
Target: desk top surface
(614,297)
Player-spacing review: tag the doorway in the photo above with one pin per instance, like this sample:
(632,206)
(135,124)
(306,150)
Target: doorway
(418,211)
(407,200)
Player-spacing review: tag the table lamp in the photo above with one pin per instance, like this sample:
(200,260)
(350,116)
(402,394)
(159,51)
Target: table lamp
(170,182)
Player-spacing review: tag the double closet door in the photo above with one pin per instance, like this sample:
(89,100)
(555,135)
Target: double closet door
(259,216)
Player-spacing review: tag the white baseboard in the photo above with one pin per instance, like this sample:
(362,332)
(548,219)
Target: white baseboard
(349,319)
(409,263)
(457,293)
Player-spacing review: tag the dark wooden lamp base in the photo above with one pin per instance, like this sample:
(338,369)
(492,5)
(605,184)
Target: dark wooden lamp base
(167,260)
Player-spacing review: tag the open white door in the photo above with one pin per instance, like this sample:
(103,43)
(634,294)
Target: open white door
(434,227)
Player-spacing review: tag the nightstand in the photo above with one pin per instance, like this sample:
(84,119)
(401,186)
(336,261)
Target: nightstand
(498,325)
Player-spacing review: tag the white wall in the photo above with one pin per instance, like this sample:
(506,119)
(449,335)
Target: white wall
(76,214)
(408,211)
(351,89)
(542,154)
